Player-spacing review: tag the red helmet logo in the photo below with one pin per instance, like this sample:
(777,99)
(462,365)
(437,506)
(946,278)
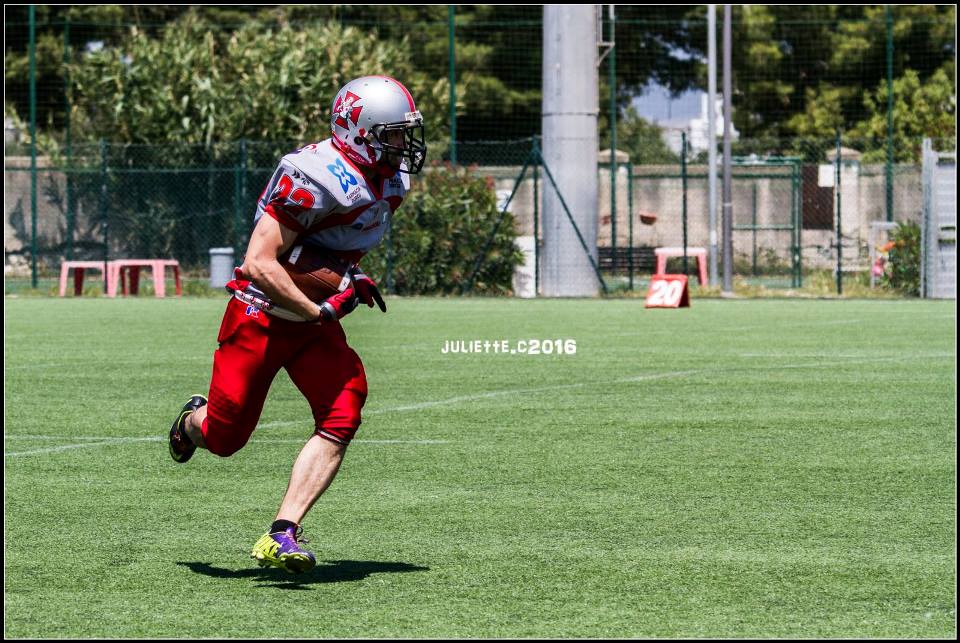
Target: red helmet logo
(346,107)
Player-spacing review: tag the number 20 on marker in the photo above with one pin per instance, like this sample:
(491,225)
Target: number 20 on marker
(668,291)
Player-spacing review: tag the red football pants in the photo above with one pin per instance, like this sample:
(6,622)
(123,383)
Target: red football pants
(254,346)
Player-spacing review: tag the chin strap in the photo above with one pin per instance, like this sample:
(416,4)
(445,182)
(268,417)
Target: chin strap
(386,170)
(381,168)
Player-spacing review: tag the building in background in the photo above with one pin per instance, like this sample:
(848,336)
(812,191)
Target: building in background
(697,129)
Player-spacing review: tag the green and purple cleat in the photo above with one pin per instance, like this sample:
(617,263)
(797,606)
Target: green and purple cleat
(282,549)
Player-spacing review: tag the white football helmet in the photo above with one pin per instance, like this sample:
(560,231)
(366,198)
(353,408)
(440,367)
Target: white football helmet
(367,107)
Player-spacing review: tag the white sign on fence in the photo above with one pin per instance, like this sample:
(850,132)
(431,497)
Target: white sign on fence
(826,174)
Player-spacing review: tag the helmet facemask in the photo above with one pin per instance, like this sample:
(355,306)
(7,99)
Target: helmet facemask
(413,153)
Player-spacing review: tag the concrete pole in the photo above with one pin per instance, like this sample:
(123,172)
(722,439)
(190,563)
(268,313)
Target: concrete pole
(712,138)
(33,145)
(727,178)
(569,124)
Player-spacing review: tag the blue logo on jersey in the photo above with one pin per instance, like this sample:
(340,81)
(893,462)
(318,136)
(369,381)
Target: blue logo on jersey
(339,170)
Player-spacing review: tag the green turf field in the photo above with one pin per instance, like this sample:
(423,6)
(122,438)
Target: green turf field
(775,468)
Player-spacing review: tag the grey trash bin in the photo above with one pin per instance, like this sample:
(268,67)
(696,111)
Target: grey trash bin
(221,266)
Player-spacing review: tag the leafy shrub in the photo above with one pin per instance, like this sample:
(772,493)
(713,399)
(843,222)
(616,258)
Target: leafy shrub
(441,229)
(902,271)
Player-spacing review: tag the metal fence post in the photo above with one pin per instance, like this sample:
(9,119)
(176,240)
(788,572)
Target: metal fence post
(240,192)
(839,227)
(237,169)
(71,215)
(683,181)
(754,184)
(451,10)
(926,182)
(389,244)
(796,181)
(104,214)
(630,220)
(536,222)
(33,146)
(712,143)
(613,215)
(889,114)
(727,213)
(612,80)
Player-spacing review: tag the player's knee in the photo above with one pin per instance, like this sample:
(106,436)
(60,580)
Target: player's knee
(224,449)
(224,439)
(346,410)
(340,423)
(339,435)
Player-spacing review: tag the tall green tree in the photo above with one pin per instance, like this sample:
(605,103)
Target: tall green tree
(804,70)
(799,70)
(921,109)
(196,84)
(85,27)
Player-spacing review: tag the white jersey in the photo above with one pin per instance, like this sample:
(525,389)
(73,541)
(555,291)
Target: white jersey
(322,195)
(319,193)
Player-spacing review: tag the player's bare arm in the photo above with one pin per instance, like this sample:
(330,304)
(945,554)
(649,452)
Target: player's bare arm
(269,240)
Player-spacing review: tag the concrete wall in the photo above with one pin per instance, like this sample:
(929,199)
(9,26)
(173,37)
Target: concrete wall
(17,225)
(658,190)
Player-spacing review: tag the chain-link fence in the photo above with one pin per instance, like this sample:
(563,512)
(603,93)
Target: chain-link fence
(110,201)
(146,121)
(115,201)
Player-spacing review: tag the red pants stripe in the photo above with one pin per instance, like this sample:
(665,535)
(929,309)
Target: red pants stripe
(253,348)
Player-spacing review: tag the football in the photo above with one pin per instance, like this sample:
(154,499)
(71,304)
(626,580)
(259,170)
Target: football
(318,273)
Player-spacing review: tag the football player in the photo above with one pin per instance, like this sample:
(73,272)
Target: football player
(338,194)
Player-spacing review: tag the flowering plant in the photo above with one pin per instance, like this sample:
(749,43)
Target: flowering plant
(878,269)
(898,265)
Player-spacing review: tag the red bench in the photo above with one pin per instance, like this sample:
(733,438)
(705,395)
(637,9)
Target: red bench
(116,273)
(699,253)
(120,267)
(78,269)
